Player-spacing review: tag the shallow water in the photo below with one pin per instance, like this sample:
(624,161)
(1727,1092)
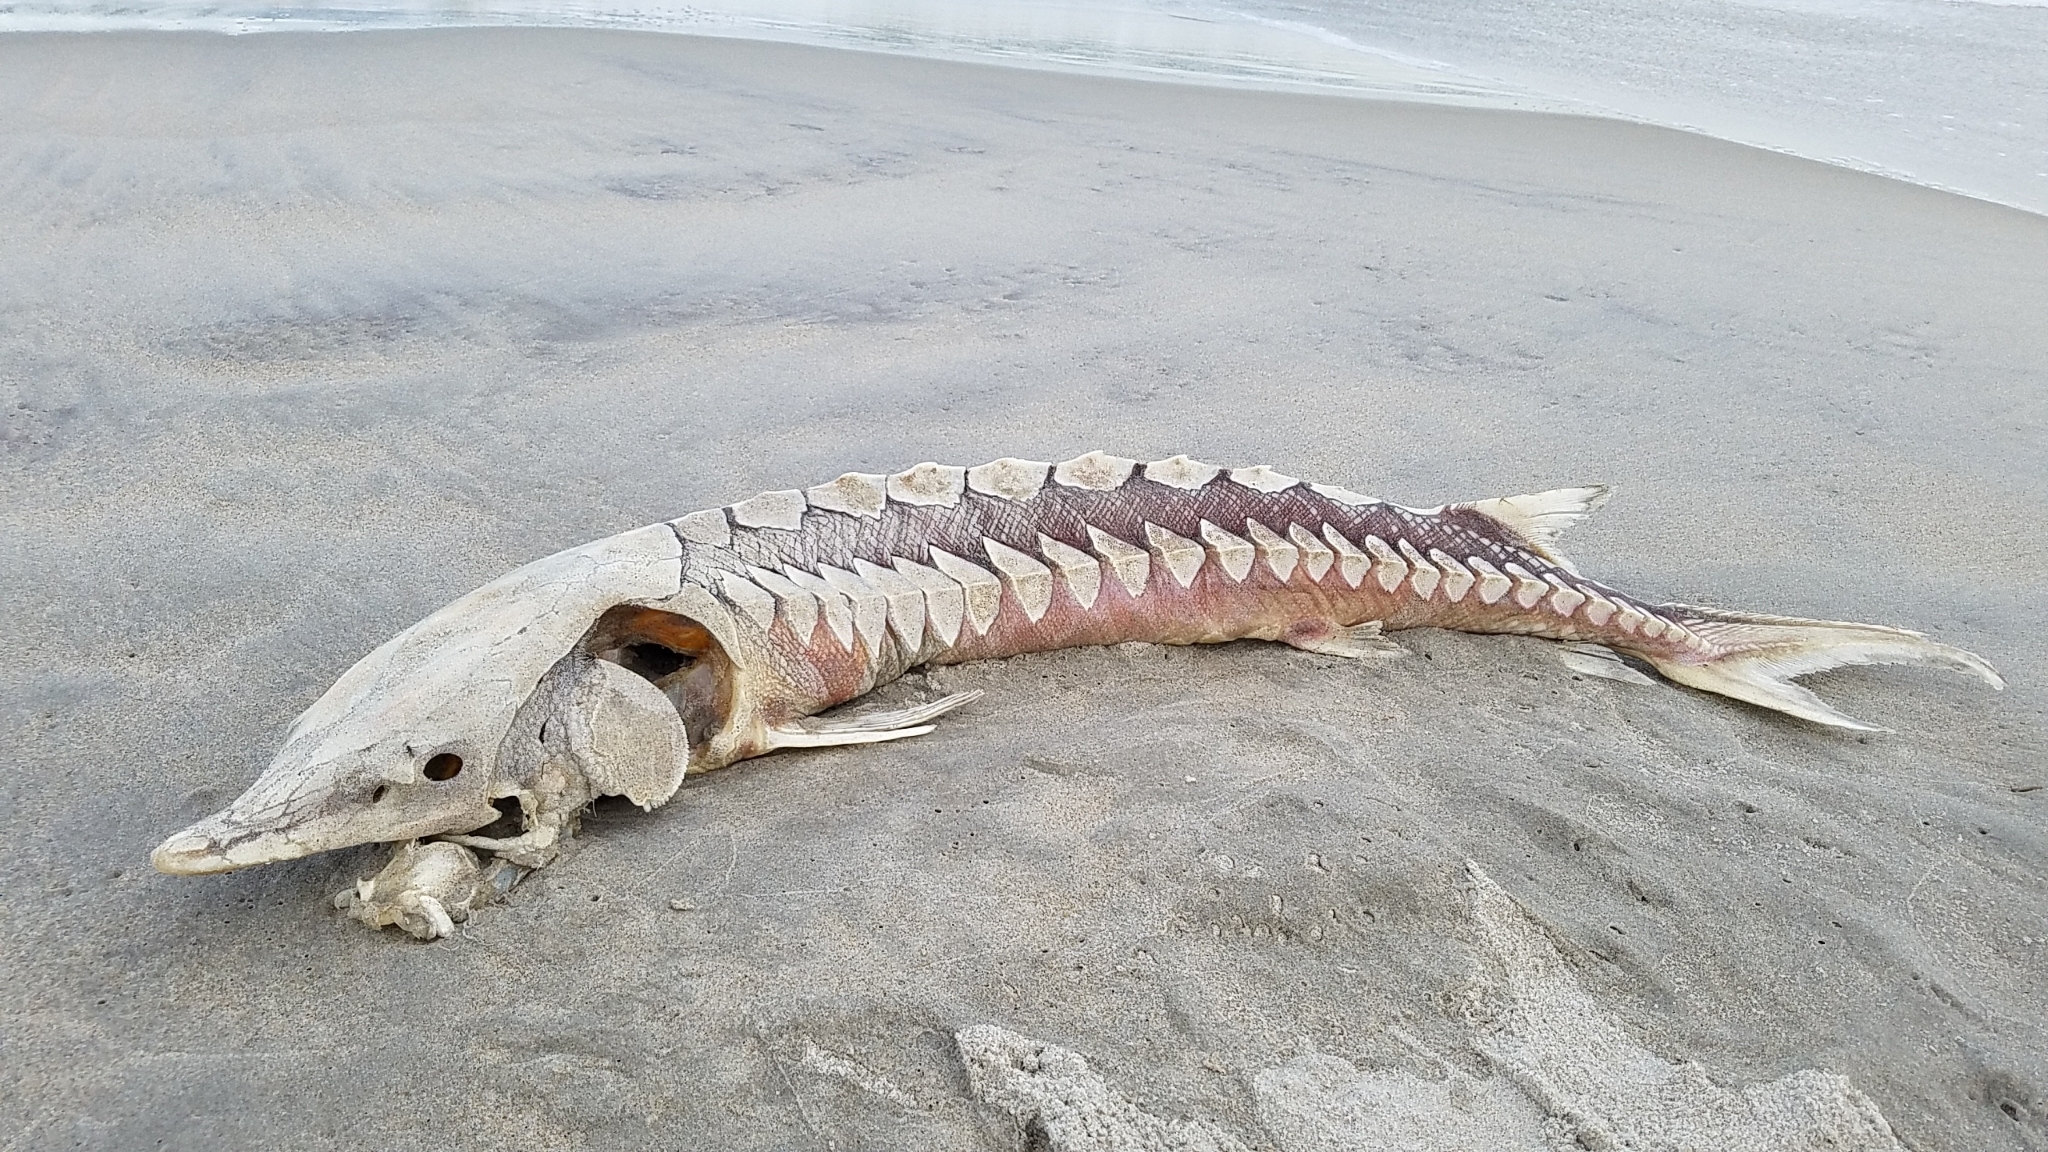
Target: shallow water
(1951,94)
(1948,93)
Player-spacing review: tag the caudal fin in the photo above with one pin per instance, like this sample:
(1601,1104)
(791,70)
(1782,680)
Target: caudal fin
(1762,655)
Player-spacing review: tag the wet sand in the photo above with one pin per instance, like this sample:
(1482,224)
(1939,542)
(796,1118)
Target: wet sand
(304,335)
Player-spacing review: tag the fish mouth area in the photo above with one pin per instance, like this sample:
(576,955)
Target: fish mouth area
(220,843)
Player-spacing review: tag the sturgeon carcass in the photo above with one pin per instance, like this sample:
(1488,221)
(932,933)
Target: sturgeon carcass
(617,667)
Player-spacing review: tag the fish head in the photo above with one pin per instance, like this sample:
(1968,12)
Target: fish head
(408,743)
(394,763)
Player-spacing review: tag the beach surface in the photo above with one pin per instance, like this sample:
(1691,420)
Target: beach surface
(303,335)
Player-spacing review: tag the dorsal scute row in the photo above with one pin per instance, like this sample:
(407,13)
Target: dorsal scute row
(867,495)
(969,541)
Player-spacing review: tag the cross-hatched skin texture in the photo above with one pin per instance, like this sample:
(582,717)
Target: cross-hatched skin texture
(1027,563)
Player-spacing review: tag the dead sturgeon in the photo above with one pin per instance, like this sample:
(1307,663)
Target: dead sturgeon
(616,667)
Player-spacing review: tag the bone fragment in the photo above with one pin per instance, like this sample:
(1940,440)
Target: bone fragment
(837,612)
(1132,564)
(1009,478)
(1097,471)
(708,527)
(756,603)
(1081,572)
(1425,578)
(798,607)
(1458,579)
(983,591)
(1351,563)
(945,602)
(1261,478)
(1182,556)
(1030,580)
(855,494)
(1387,568)
(928,484)
(906,602)
(1181,472)
(870,607)
(1234,553)
(783,510)
(1315,555)
(1279,555)
(425,891)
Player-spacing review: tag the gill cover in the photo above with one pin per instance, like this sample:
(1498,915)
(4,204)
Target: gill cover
(354,766)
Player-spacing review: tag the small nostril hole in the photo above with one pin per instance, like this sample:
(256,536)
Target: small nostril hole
(378,792)
(443,766)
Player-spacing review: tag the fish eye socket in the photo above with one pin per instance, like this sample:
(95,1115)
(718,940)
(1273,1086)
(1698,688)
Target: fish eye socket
(443,766)
(378,792)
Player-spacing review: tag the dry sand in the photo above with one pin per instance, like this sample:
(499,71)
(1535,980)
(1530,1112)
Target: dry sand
(305,335)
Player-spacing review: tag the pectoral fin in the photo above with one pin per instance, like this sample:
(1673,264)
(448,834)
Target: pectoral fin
(868,727)
(1599,660)
(1357,642)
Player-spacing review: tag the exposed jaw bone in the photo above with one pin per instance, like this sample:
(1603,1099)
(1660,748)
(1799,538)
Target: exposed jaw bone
(427,889)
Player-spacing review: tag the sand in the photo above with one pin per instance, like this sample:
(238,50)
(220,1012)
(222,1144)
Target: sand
(304,335)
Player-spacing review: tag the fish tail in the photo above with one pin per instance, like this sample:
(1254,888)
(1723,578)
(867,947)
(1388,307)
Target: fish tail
(1755,658)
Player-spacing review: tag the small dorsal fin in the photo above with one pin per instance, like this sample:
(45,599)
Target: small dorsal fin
(1541,517)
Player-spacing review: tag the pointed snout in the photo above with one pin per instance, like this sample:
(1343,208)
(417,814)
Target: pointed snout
(216,845)
(188,854)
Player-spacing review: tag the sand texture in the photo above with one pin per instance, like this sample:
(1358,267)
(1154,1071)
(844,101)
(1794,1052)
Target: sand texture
(1562,1076)
(302,336)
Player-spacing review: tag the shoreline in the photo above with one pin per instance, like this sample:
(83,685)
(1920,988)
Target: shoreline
(1243,51)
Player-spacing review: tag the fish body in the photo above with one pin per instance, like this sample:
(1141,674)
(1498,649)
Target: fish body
(619,666)
(849,585)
